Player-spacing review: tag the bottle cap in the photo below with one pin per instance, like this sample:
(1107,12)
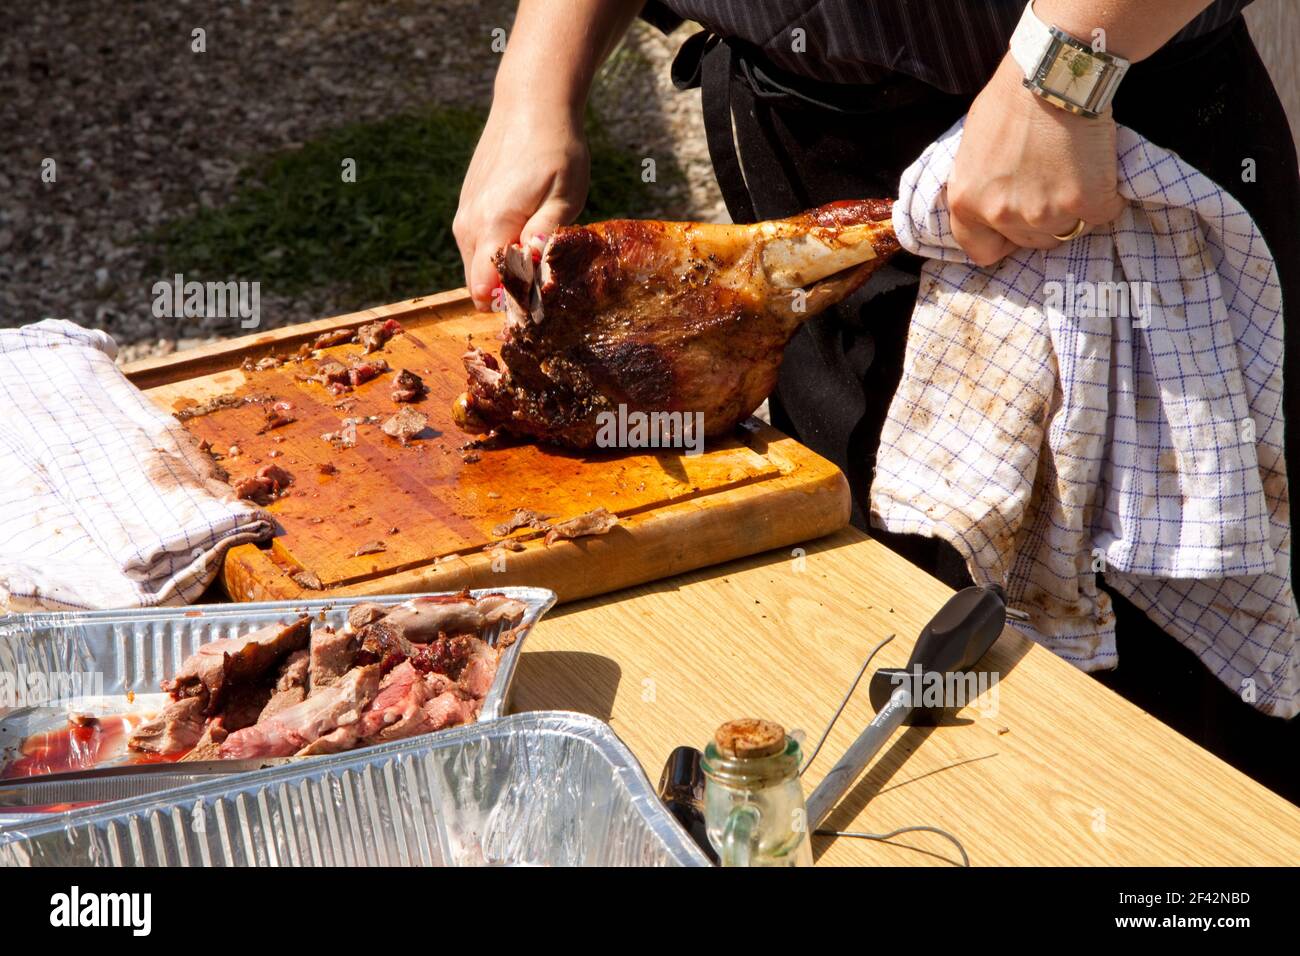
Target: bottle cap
(749,737)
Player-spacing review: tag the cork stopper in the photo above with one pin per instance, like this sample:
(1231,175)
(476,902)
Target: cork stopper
(749,737)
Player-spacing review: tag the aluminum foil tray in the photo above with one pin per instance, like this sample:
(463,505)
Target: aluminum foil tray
(112,662)
(543,789)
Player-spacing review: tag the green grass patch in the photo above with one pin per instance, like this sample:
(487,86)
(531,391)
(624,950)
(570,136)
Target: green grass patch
(295,225)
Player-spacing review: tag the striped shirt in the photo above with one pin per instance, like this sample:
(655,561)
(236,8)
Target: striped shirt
(954,45)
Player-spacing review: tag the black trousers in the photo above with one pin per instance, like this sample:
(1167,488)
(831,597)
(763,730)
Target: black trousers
(782,144)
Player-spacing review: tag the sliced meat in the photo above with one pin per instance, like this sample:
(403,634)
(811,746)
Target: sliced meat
(396,712)
(376,335)
(207,672)
(276,474)
(177,729)
(337,337)
(291,730)
(407,387)
(291,686)
(401,695)
(244,704)
(332,653)
(598,521)
(480,669)
(408,703)
(406,424)
(450,710)
(422,619)
(295,670)
(523,518)
(264,486)
(389,647)
(336,741)
(282,700)
(209,745)
(331,372)
(497,608)
(307,580)
(276,416)
(363,371)
(362,614)
(384,645)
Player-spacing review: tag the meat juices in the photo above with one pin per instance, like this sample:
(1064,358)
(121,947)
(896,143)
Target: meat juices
(288,689)
(662,317)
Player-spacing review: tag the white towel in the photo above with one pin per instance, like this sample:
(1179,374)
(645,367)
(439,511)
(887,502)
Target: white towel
(105,501)
(1049,441)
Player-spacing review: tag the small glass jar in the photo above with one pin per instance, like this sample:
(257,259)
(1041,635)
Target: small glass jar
(753,804)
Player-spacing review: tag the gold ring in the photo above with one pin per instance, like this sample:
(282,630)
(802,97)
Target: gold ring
(1074,233)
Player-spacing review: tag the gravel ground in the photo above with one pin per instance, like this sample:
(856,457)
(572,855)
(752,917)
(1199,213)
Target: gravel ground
(142,129)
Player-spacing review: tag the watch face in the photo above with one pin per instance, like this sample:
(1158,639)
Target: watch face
(1074,75)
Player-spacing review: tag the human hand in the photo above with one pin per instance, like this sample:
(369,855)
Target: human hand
(529,174)
(1027,172)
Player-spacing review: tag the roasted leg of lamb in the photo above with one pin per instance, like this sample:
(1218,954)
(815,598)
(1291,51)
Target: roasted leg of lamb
(662,317)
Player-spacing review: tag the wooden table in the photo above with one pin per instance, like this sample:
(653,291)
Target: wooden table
(1061,771)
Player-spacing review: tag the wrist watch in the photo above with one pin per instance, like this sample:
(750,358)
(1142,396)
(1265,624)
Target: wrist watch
(1064,70)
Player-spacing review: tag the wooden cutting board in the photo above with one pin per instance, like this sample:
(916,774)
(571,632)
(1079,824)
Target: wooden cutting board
(435,511)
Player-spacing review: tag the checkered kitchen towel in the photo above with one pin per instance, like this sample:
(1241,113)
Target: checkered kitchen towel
(105,502)
(1112,406)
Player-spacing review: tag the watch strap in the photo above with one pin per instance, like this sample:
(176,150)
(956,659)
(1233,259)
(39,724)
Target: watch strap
(1030,41)
(1037,47)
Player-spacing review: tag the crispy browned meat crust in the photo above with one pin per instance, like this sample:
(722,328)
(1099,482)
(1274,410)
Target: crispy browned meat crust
(662,317)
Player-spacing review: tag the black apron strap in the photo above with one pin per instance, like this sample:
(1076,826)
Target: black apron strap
(706,61)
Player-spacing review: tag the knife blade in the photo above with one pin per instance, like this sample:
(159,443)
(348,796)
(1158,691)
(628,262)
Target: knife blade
(954,641)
